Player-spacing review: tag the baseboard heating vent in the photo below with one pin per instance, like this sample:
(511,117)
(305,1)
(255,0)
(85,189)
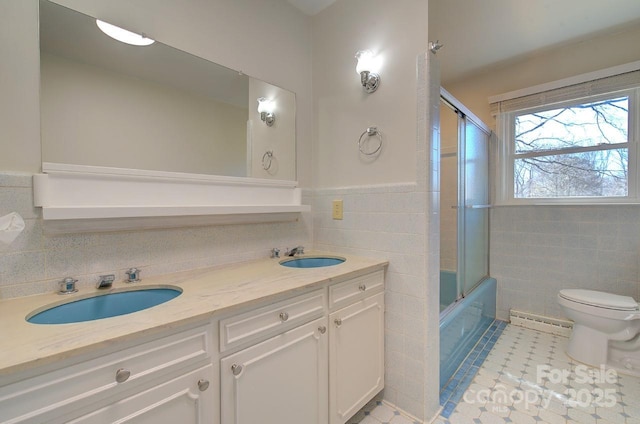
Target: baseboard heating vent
(559,327)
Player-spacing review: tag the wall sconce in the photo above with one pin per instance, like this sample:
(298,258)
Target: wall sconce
(265,109)
(123,35)
(365,68)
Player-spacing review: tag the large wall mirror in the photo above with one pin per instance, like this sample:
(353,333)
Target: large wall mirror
(107,103)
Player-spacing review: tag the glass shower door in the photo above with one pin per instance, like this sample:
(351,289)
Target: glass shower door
(450,287)
(473,215)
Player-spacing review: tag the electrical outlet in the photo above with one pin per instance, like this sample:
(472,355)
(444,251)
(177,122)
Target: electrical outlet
(337,209)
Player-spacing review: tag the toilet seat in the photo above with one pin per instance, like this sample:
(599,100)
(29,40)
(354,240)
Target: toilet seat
(600,299)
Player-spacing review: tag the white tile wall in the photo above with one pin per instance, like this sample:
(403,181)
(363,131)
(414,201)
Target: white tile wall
(538,250)
(35,261)
(400,222)
(387,222)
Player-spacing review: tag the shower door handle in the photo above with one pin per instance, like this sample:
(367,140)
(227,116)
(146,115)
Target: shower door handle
(471,207)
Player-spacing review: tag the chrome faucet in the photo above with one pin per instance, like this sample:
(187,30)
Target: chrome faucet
(295,251)
(105,281)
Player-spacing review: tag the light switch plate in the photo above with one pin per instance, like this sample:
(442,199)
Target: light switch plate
(337,209)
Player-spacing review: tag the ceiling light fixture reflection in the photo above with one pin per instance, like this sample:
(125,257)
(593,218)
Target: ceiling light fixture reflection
(123,35)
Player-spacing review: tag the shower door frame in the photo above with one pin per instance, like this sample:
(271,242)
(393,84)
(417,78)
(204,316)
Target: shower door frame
(464,114)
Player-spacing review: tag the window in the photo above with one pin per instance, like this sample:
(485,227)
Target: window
(577,150)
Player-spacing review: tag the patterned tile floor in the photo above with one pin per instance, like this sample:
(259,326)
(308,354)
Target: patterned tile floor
(378,412)
(528,379)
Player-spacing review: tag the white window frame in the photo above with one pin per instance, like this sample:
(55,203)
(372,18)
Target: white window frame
(505,154)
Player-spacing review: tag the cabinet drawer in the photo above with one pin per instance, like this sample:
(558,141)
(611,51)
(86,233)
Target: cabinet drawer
(56,393)
(344,293)
(270,319)
(180,400)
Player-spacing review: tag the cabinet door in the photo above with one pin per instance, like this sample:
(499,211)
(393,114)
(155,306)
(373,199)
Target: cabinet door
(187,399)
(282,380)
(356,356)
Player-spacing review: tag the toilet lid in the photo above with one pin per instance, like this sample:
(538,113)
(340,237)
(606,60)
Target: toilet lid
(600,299)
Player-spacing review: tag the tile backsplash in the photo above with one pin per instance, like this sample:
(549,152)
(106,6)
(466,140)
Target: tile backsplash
(35,262)
(538,250)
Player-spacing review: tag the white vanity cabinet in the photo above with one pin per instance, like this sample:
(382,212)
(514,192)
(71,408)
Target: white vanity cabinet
(280,373)
(282,380)
(356,345)
(171,376)
(311,354)
(326,362)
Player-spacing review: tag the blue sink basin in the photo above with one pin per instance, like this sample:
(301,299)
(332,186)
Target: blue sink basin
(104,306)
(312,262)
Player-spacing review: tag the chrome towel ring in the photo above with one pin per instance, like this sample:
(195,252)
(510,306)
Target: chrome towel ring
(369,132)
(267,158)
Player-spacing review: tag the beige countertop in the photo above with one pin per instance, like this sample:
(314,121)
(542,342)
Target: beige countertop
(24,346)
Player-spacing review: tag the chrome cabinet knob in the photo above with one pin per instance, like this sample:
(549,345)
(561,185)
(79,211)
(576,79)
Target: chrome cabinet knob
(236,369)
(362,287)
(322,329)
(284,316)
(338,322)
(203,385)
(122,375)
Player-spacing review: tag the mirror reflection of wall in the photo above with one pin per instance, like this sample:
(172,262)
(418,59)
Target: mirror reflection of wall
(272,138)
(93,116)
(105,103)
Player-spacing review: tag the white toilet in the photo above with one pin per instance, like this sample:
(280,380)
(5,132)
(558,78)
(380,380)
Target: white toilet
(606,329)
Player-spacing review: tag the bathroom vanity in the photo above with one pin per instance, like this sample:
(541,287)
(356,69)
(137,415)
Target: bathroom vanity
(253,342)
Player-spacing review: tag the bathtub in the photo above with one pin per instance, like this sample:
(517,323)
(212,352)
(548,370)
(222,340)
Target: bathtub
(463,324)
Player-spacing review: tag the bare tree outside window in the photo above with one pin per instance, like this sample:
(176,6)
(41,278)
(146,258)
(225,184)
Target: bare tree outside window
(575,151)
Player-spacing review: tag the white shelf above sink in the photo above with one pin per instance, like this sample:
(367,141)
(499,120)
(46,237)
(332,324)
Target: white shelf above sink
(78,198)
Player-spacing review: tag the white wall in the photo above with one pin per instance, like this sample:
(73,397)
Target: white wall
(538,250)
(396,31)
(92,116)
(389,200)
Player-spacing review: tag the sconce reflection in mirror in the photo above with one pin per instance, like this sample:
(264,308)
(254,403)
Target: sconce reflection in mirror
(366,67)
(123,35)
(265,109)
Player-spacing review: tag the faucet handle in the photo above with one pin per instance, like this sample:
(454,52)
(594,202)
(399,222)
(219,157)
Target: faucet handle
(67,286)
(134,275)
(275,252)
